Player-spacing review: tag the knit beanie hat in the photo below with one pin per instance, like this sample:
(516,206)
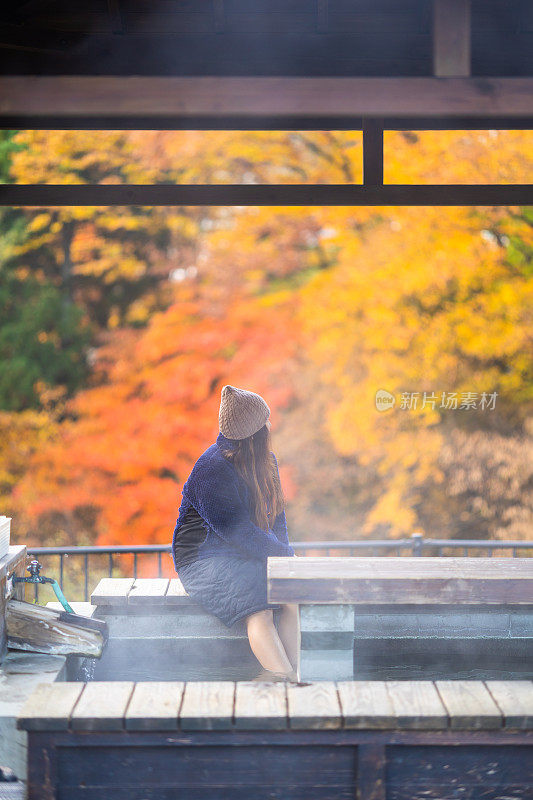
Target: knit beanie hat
(242,413)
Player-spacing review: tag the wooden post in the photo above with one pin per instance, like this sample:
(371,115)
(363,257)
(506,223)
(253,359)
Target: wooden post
(451,38)
(373,152)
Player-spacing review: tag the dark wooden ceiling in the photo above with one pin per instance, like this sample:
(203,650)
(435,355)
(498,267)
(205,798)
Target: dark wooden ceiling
(254,37)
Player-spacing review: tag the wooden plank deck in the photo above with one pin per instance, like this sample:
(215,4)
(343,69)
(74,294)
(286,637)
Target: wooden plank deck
(469,705)
(50,706)
(119,592)
(260,706)
(224,705)
(315,705)
(150,591)
(366,704)
(154,706)
(402,579)
(417,704)
(207,705)
(112,592)
(514,700)
(102,706)
(176,594)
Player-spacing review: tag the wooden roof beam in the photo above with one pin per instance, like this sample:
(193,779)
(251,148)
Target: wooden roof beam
(256,98)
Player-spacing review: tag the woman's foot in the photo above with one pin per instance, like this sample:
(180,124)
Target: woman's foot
(271,675)
(293,676)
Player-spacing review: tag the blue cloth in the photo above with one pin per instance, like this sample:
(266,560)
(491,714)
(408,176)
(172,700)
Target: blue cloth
(220,496)
(229,587)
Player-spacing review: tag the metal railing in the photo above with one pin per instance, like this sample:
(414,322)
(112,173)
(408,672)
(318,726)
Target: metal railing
(119,560)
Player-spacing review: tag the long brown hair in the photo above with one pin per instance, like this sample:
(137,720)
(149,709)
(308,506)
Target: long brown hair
(253,459)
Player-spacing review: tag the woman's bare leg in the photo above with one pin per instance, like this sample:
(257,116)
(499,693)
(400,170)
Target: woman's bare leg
(266,643)
(289,633)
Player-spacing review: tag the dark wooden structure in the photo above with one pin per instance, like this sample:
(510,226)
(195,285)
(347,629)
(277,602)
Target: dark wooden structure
(369,65)
(374,740)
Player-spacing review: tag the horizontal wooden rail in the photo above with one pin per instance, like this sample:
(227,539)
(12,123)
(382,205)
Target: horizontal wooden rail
(242,122)
(266,195)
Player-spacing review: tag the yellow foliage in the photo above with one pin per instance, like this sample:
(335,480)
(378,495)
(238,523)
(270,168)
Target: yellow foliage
(401,299)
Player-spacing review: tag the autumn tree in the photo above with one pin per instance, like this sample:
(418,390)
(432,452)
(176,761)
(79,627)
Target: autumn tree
(135,437)
(318,309)
(87,253)
(429,300)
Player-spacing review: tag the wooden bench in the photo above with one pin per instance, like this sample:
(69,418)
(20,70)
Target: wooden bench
(157,633)
(410,617)
(227,740)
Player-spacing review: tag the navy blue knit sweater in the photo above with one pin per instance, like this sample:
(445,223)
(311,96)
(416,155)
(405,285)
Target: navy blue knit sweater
(220,496)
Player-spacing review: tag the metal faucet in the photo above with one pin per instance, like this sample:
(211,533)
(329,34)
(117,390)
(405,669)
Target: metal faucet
(34,569)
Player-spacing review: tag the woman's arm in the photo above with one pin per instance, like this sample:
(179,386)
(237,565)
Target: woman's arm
(279,527)
(215,495)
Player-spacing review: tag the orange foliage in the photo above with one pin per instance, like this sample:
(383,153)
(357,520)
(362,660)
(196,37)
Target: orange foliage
(136,436)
